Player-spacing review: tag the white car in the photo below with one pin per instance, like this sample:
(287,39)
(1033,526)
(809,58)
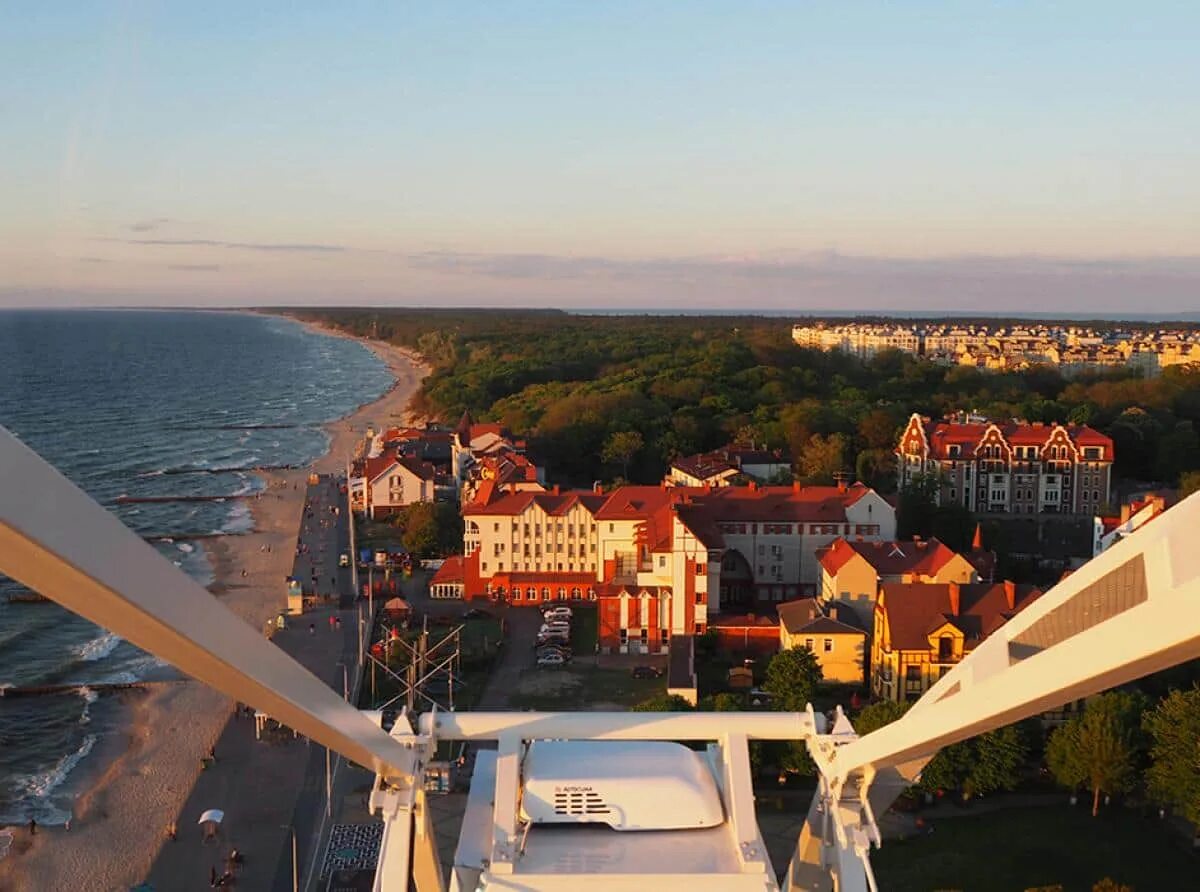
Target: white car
(551,659)
(557,613)
(564,631)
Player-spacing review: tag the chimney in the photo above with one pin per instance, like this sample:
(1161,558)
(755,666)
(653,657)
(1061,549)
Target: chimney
(597,487)
(977,542)
(955,598)
(1125,512)
(1010,594)
(554,490)
(841,484)
(753,486)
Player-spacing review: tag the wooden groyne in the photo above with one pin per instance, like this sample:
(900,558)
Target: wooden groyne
(142,500)
(45,690)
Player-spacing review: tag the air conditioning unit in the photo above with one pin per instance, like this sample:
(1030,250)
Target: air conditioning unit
(628,785)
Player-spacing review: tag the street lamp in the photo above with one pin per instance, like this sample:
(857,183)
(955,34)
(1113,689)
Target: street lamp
(345,681)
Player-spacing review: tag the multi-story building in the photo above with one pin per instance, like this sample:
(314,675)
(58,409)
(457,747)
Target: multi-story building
(1011,468)
(472,443)
(921,631)
(1108,530)
(853,570)
(383,484)
(659,558)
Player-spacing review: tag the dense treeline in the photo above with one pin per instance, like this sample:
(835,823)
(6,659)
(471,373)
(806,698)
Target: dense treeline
(690,384)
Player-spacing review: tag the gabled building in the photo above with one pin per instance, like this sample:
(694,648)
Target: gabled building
(1108,530)
(475,448)
(921,631)
(852,570)
(689,553)
(1009,468)
(383,484)
(701,470)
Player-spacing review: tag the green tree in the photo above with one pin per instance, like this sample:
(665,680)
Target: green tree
(998,759)
(1173,777)
(792,677)
(822,458)
(620,449)
(418,525)
(726,702)
(664,703)
(917,506)
(1098,749)
(875,716)
(1189,482)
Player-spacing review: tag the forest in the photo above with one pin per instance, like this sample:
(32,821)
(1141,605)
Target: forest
(621,396)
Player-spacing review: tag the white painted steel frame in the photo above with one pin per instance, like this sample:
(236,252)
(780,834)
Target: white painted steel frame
(56,540)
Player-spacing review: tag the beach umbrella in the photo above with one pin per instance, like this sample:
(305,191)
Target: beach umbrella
(210,823)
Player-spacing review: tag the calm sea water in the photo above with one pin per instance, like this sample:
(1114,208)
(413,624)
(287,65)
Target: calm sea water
(145,404)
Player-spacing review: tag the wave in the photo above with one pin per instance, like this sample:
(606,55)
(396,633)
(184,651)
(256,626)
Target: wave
(185,547)
(89,697)
(40,786)
(97,648)
(157,473)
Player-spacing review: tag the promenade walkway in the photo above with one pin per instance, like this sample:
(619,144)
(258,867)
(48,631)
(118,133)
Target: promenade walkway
(275,786)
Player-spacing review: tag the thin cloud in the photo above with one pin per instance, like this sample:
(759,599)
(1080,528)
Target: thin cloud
(196,267)
(149,225)
(299,248)
(92,260)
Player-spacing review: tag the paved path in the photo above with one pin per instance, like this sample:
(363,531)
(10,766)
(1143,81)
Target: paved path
(269,787)
(521,628)
(324,536)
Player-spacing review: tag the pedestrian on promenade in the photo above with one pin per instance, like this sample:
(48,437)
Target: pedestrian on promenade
(312,629)
(212,877)
(32,827)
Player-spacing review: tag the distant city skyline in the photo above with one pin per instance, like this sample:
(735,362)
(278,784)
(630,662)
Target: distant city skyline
(938,157)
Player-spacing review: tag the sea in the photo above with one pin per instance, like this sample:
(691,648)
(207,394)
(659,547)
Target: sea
(145,404)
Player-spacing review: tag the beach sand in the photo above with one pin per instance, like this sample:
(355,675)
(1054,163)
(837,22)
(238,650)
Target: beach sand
(120,820)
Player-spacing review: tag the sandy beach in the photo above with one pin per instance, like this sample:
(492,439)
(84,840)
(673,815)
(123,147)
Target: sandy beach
(119,822)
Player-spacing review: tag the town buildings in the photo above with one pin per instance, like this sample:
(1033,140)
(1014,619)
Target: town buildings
(661,560)
(839,646)
(1012,467)
(852,570)
(1072,349)
(400,467)
(1108,530)
(725,466)
(482,452)
(923,630)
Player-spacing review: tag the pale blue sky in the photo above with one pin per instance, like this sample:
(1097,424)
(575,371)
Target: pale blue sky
(904,155)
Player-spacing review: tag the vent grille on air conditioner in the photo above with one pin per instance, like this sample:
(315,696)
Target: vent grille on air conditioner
(582,802)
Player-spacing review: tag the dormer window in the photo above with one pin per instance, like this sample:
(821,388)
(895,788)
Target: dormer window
(954,451)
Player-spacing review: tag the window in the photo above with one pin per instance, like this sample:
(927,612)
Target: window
(624,637)
(945,649)
(645,635)
(610,527)
(808,642)
(828,644)
(701,569)
(483,566)
(545,594)
(516,593)
(912,673)
(700,596)
(662,561)
(562,594)
(666,637)
(495,528)
(698,629)
(575,594)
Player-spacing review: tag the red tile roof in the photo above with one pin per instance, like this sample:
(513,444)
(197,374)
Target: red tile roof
(918,557)
(703,467)
(968,436)
(916,610)
(451,571)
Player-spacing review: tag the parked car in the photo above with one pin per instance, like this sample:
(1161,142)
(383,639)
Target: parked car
(555,627)
(564,612)
(476,613)
(646,672)
(552,638)
(551,660)
(554,652)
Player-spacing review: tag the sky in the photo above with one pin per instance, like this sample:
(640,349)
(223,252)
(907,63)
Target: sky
(966,156)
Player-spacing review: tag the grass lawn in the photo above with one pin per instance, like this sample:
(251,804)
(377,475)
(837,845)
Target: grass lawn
(582,687)
(1018,849)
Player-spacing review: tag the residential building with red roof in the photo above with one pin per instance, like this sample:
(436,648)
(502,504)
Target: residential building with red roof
(837,640)
(853,569)
(488,451)
(381,485)
(686,553)
(923,630)
(1108,530)
(1013,467)
(722,467)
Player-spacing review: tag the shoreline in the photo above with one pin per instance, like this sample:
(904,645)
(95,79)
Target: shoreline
(121,815)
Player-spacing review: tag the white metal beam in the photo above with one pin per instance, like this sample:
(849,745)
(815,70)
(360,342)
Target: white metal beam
(55,539)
